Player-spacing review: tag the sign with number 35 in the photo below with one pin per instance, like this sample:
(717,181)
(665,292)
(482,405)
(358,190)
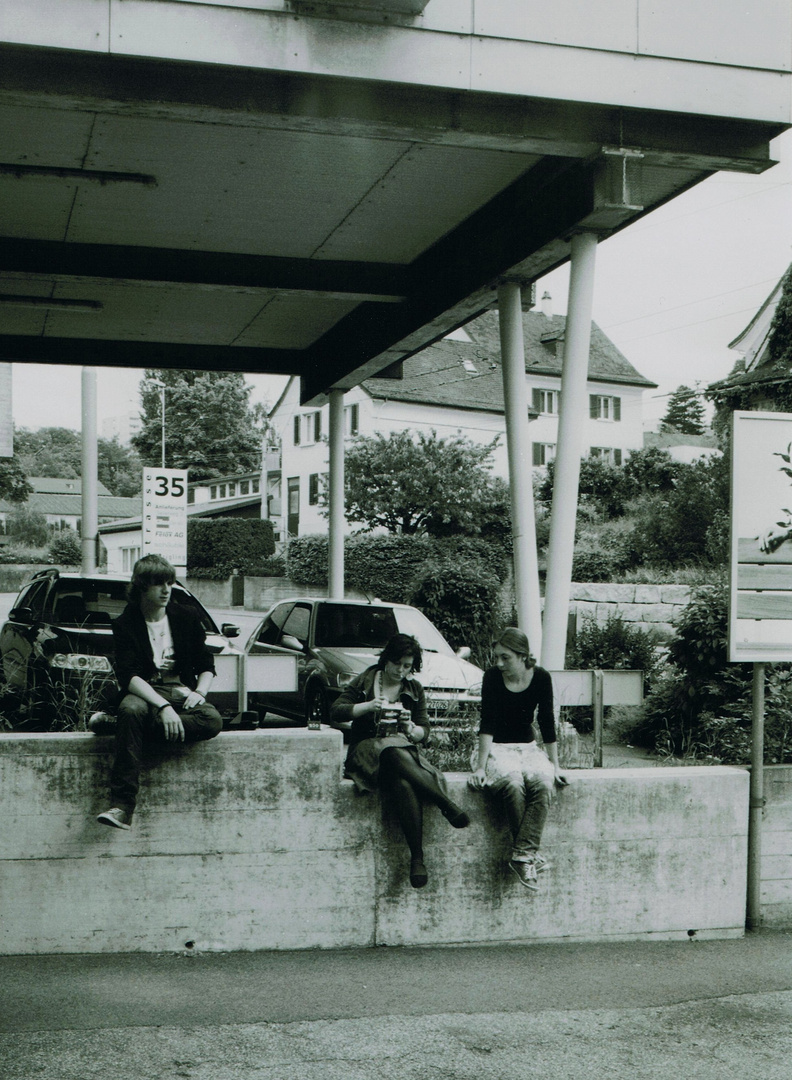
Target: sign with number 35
(165,515)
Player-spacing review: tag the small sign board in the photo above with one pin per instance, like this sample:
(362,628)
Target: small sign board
(165,515)
(760,599)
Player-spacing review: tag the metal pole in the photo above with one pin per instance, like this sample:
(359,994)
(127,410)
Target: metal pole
(518,443)
(335,552)
(162,404)
(90,470)
(599,716)
(756,802)
(571,425)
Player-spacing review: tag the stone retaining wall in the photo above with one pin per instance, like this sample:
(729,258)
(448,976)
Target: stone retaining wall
(652,607)
(253,841)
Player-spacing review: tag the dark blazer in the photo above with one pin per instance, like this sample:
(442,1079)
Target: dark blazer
(134,656)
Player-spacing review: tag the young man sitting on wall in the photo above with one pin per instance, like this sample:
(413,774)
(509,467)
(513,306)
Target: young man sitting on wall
(165,670)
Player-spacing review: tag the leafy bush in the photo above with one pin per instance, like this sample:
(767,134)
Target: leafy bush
(226,544)
(461,599)
(614,645)
(65,549)
(602,485)
(14,553)
(306,560)
(28,526)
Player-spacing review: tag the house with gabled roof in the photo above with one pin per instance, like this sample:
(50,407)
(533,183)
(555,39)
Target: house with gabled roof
(754,381)
(59,499)
(456,387)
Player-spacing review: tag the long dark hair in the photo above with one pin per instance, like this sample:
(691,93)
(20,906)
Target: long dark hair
(150,570)
(398,646)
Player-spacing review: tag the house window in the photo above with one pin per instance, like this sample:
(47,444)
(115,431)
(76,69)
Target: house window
(297,430)
(213,491)
(256,486)
(543,453)
(191,495)
(222,491)
(231,490)
(545,401)
(608,453)
(244,487)
(313,489)
(129,556)
(604,407)
(351,419)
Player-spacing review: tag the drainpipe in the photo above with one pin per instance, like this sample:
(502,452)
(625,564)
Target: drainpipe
(335,552)
(90,460)
(518,442)
(573,414)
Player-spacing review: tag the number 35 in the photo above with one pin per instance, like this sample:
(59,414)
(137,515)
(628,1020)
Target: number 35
(175,488)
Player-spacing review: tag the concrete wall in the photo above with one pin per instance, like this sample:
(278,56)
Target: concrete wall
(777,847)
(652,607)
(253,841)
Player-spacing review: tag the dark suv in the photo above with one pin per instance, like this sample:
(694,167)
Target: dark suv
(57,648)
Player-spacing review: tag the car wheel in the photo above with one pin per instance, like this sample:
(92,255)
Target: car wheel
(316,707)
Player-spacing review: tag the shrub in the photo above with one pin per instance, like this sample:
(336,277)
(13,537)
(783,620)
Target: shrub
(28,526)
(387,566)
(306,560)
(461,599)
(614,645)
(227,544)
(601,485)
(65,549)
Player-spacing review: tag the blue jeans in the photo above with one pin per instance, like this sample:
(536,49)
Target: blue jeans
(136,727)
(526,803)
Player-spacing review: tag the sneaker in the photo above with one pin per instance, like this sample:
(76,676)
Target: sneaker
(526,873)
(101,723)
(118,818)
(541,863)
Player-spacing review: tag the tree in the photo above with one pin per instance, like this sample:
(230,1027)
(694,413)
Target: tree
(13,482)
(685,412)
(210,427)
(410,484)
(119,468)
(56,451)
(50,451)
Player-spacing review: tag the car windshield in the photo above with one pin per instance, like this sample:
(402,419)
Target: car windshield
(91,603)
(413,622)
(354,626)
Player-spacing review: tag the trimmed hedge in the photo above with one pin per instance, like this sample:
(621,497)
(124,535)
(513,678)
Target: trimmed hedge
(219,546)
(461,599)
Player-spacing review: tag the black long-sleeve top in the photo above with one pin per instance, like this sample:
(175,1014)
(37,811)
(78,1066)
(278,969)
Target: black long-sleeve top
(508,716)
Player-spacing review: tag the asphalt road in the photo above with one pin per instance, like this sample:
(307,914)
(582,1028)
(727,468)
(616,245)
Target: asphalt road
(700,1010)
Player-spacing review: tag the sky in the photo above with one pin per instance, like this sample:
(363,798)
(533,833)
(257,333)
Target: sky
(671,292)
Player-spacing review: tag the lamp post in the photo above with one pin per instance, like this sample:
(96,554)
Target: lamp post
(161,385)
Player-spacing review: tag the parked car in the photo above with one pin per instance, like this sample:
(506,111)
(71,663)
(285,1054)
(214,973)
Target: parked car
(57,648)
(334,640)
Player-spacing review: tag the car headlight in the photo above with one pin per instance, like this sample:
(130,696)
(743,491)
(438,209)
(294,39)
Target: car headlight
(81,662)
(344,678)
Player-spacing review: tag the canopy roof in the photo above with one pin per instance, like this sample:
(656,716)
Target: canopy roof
(168,211)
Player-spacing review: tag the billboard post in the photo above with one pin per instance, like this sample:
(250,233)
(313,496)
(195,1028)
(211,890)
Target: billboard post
(760,594)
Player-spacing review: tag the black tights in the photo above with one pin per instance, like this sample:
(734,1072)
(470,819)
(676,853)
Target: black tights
(409,785)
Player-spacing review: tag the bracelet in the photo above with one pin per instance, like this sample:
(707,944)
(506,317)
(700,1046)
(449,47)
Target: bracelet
(165,705)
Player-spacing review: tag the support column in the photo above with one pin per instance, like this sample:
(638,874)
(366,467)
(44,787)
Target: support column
(90,469)
(573,414)
(335,552)
(518,442)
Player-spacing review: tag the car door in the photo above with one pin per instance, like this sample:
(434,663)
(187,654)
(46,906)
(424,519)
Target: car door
(280,624)
(20,638)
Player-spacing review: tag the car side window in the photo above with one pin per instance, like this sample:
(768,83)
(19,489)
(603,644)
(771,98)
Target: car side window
(33,597)
(298,623)
(270,631)
(189,602)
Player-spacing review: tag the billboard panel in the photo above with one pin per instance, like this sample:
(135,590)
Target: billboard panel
(165,515)
(760,606)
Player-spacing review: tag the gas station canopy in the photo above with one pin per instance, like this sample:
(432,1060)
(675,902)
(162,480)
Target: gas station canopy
(297,189)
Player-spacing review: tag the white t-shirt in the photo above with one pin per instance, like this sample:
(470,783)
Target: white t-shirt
(162,645)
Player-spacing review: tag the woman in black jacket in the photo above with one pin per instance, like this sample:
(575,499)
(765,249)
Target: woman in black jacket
(391,761)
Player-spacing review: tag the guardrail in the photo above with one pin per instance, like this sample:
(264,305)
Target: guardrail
(597,688)
(243,674)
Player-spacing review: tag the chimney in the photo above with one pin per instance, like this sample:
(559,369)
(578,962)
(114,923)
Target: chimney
(547,305)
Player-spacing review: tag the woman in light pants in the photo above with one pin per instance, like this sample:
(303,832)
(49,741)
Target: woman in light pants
(508,762)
